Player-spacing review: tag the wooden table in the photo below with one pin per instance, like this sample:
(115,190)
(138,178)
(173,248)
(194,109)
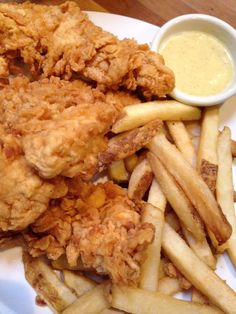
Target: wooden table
(159,11)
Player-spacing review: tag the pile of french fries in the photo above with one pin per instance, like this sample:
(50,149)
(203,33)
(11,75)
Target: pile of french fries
(184,178)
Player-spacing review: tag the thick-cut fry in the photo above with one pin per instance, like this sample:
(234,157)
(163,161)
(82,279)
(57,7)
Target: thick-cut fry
(150,267)
(193,128)
(46,283)
(197,272)
(126,144)
(193,186)
(78,283)
(140,180)
(176,197)
(136,115)
(169,286)
(131,162)
(200,248)
(225,189)
(138,301)
(207,151)
(92,302)
(118,172)
(198,297)
(172,219)
(156,196)
(233,148)
(161,273)
(155,208)
(182,140)
(111,311)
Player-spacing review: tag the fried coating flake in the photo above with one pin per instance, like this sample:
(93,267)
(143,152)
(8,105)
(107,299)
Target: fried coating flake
(62,124)
(24,196)
(61,40)
(97,224)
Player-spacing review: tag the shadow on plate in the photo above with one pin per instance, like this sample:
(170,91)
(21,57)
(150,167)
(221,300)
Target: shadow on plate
(228,112)
(15,298)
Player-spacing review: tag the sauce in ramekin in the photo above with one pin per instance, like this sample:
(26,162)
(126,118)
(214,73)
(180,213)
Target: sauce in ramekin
(200,61)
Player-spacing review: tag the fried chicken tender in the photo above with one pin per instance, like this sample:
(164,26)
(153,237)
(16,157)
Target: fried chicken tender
(24,196)
(97,224)
(3,67)
(61,40)
(10,240)
(62,124)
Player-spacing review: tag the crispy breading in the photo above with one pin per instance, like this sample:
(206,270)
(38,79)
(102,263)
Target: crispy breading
(10,239)
(4,71)
(61,40)
(99,225)
(24,196)
(62,124)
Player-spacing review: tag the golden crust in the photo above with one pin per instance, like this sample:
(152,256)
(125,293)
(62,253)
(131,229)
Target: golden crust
(96,224)
(60,41)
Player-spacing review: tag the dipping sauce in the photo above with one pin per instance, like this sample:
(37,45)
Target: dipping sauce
(201,63)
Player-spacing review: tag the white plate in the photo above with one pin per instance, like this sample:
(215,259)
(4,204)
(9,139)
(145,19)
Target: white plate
(16,295)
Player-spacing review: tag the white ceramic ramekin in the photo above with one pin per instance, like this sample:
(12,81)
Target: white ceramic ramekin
(217,28)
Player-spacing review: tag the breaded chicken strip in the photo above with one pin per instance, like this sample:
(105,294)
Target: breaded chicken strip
(97,224)
(60,41)
(24,196)
(62,125)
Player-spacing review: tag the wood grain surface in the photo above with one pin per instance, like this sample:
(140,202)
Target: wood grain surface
(158,11)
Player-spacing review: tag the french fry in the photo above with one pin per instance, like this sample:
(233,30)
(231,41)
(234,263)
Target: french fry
(225,189)
(92,302)
(233,148)
(169,286)
(140,180)
(126,144)
(78,283)
(111,311)
(161,273)
(131,162)
(134,116)
(150,267)
(176,197)
(198,297)
(138,301)
(193,186)
(207,163)
(193,128)
(156,196)
(200,248)
(207,160)
(182,140)
(197,272)
(172,219)
(118,172)
(46,283)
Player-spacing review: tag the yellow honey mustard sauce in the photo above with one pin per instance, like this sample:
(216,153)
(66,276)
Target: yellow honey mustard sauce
(201,63)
